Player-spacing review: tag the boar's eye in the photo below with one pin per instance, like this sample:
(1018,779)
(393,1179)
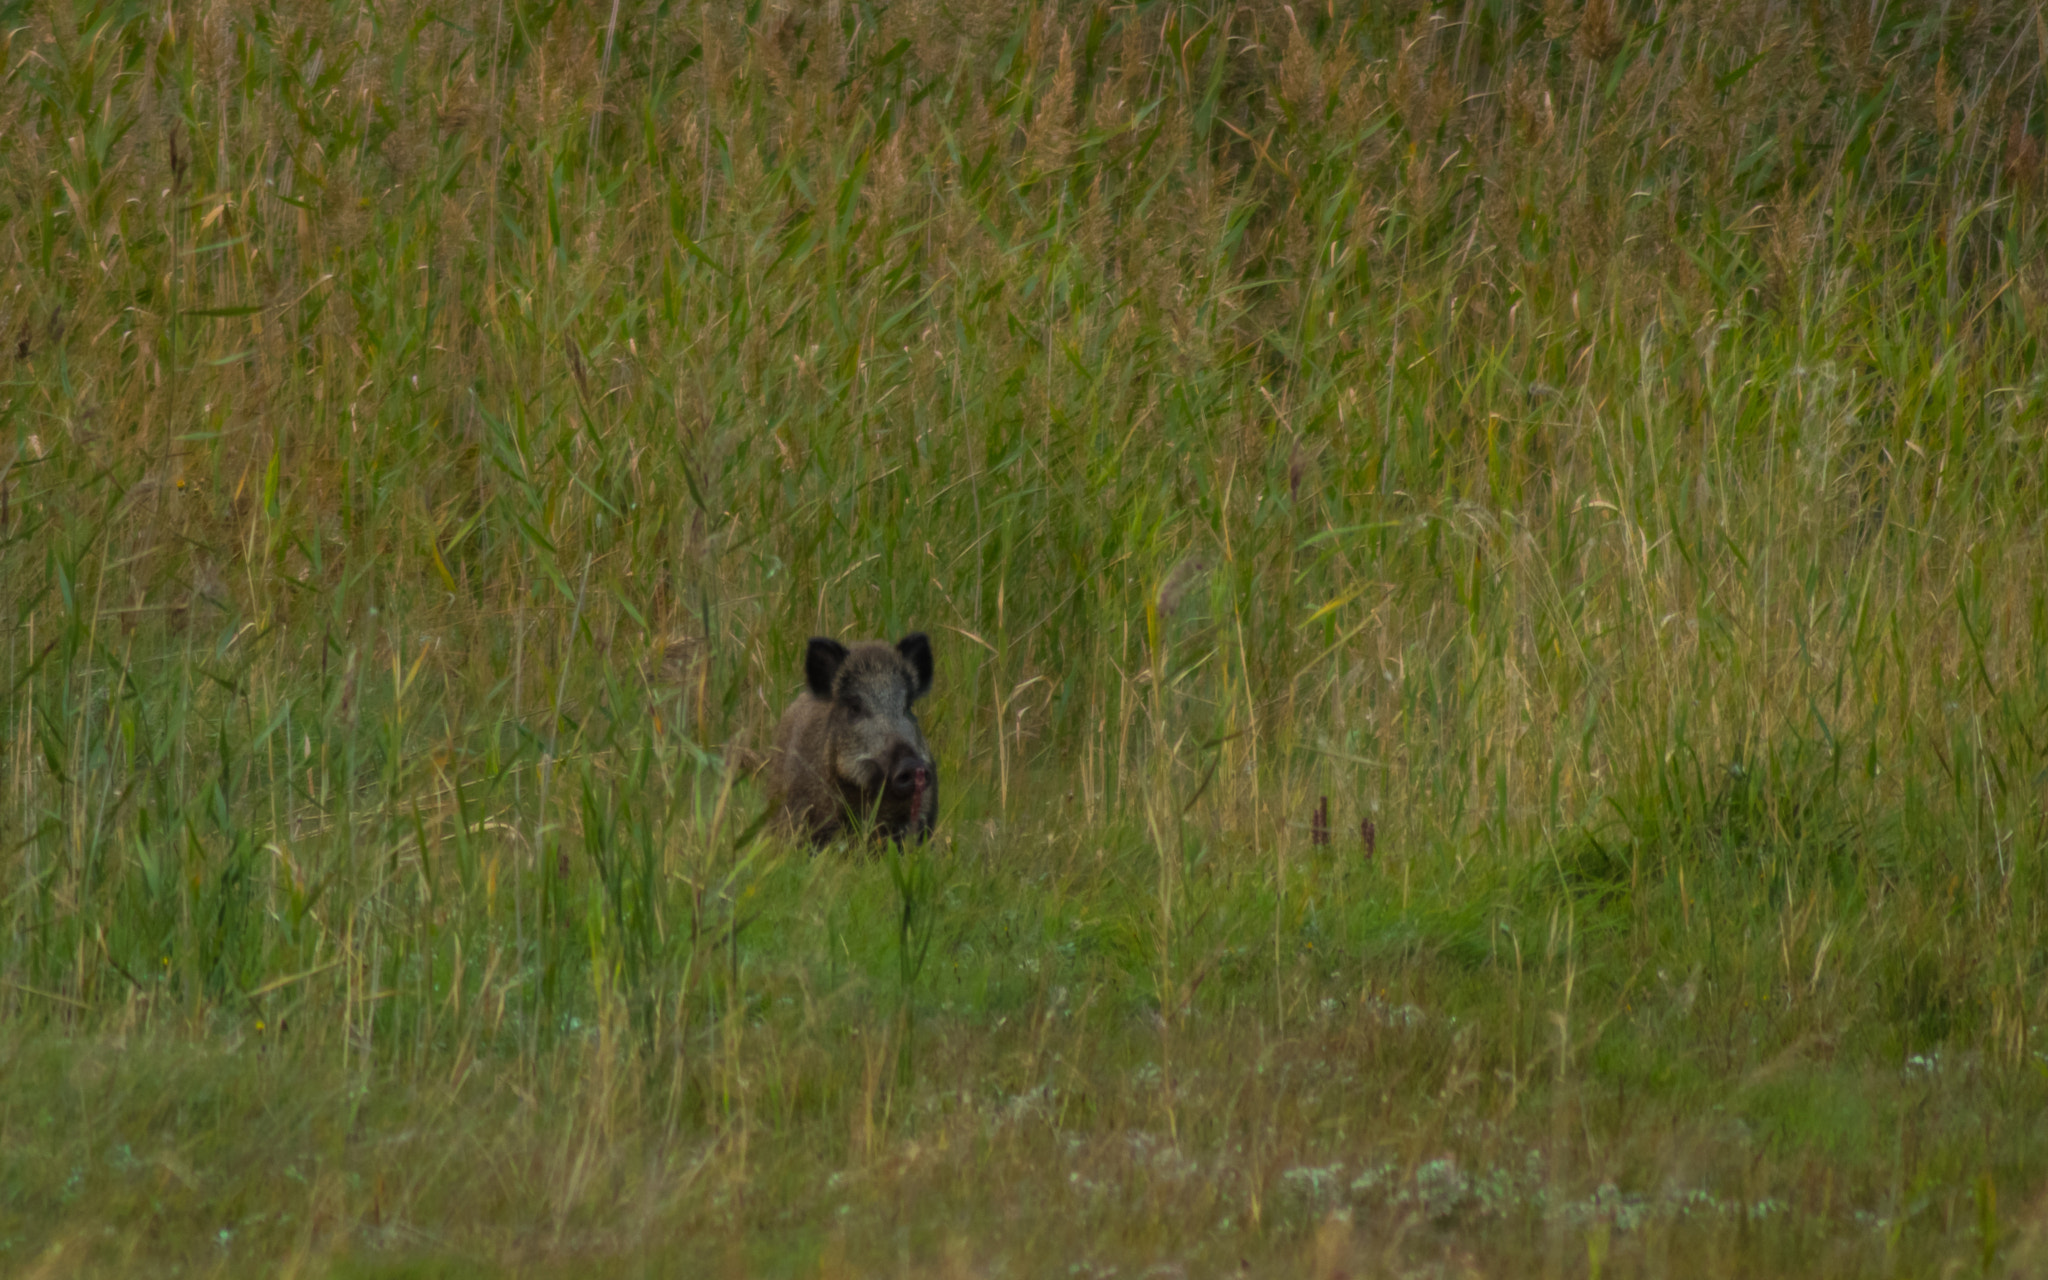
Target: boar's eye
(852,704)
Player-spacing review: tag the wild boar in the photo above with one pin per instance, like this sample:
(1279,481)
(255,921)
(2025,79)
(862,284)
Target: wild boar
(849,754)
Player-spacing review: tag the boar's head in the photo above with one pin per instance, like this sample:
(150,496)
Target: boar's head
(876,753)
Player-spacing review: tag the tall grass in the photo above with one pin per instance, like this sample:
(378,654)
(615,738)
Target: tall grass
(1597,447)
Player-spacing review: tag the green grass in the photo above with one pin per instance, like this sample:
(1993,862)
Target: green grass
(1600,446)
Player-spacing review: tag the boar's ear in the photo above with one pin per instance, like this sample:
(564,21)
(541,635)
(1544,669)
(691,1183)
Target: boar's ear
(821,663)
(918,648)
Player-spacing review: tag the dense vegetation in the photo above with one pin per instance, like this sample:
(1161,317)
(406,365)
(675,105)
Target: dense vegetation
(1488,565)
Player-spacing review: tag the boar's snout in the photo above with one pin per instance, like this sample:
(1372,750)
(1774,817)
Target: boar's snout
(910,772)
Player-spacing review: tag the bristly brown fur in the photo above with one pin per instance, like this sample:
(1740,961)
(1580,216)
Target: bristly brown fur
(849,752)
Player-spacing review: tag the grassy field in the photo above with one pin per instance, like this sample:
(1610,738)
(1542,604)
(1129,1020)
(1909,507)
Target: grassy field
(1595,454)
